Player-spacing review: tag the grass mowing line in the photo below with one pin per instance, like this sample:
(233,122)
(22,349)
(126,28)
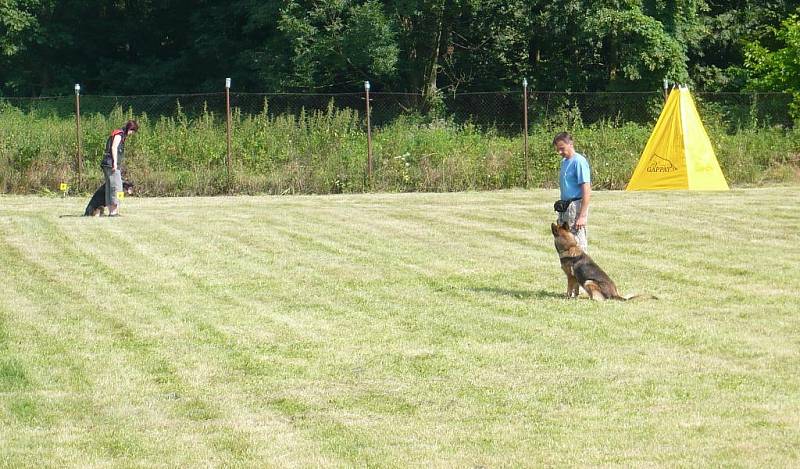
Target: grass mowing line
(683,269)
(450,364)
(367,235)
(344,256)
(232,353)
(355,227)
(494,218)
(293,406)
(252,368)
(315,224)
(192,408)
(118,332)
(58,376)
(259,276)
(51,414)
(33,333)
(424,242)
(280,403)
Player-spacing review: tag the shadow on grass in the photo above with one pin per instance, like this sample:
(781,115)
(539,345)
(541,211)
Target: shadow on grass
(520,294)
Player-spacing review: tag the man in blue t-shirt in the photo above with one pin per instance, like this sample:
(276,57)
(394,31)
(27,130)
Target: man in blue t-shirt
(575,181)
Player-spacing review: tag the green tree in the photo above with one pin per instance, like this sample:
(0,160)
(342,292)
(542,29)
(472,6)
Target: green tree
(20,30)
(487,46)
(633,50)
(238,39)
(335,43)
(611,45)
(18,25)
(428,46)
(716,60)
(777,69)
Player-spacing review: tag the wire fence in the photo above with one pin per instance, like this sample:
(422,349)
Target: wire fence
(510,113)
(500,110)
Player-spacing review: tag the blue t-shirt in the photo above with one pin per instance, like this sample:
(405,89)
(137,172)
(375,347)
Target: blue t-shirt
(574,172)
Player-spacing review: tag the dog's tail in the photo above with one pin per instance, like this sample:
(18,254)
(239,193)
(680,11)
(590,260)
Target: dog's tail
(639,296)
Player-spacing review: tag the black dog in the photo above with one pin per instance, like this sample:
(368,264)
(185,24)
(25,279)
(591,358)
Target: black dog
(97,203)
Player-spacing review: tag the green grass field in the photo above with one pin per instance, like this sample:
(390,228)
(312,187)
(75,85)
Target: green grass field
(399,330)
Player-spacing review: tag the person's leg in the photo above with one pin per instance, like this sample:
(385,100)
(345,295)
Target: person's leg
(107,184)
(113,188)
(569,216)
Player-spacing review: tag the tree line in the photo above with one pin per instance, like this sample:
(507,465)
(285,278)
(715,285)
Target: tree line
(427,46)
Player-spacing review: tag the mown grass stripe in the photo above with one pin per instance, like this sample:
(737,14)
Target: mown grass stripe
(389,330)
(123,336)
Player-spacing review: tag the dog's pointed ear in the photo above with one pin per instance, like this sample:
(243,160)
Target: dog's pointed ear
(554,228)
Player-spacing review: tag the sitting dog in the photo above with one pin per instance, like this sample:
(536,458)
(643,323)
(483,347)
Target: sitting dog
(581,270)
(97,203)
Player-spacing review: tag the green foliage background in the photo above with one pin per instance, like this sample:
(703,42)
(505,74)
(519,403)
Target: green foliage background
(427,46)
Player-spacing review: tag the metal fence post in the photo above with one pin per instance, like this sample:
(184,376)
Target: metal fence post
(369,138)
(228,159)
(525,128)
(79,154)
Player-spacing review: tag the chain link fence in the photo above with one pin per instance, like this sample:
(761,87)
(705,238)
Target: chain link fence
(498,110)
(504,113)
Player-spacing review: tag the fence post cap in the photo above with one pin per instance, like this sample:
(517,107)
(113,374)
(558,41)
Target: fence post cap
(227,83)
(525,82)
(77,88)
(366,85)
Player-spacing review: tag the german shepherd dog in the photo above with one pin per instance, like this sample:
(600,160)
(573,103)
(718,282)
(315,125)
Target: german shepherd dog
(581,270)
(97,203)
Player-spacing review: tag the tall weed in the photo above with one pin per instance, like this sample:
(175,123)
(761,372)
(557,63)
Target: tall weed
(325,151)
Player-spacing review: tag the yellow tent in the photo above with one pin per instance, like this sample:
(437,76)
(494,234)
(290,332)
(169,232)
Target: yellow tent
(678,154)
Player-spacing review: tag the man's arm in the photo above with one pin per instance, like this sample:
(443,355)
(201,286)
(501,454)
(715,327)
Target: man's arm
(586,189)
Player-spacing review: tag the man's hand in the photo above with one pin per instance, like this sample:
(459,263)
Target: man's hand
(580,222)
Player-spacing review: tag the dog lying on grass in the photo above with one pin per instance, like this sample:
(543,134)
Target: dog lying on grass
(97,204)
(581,270)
